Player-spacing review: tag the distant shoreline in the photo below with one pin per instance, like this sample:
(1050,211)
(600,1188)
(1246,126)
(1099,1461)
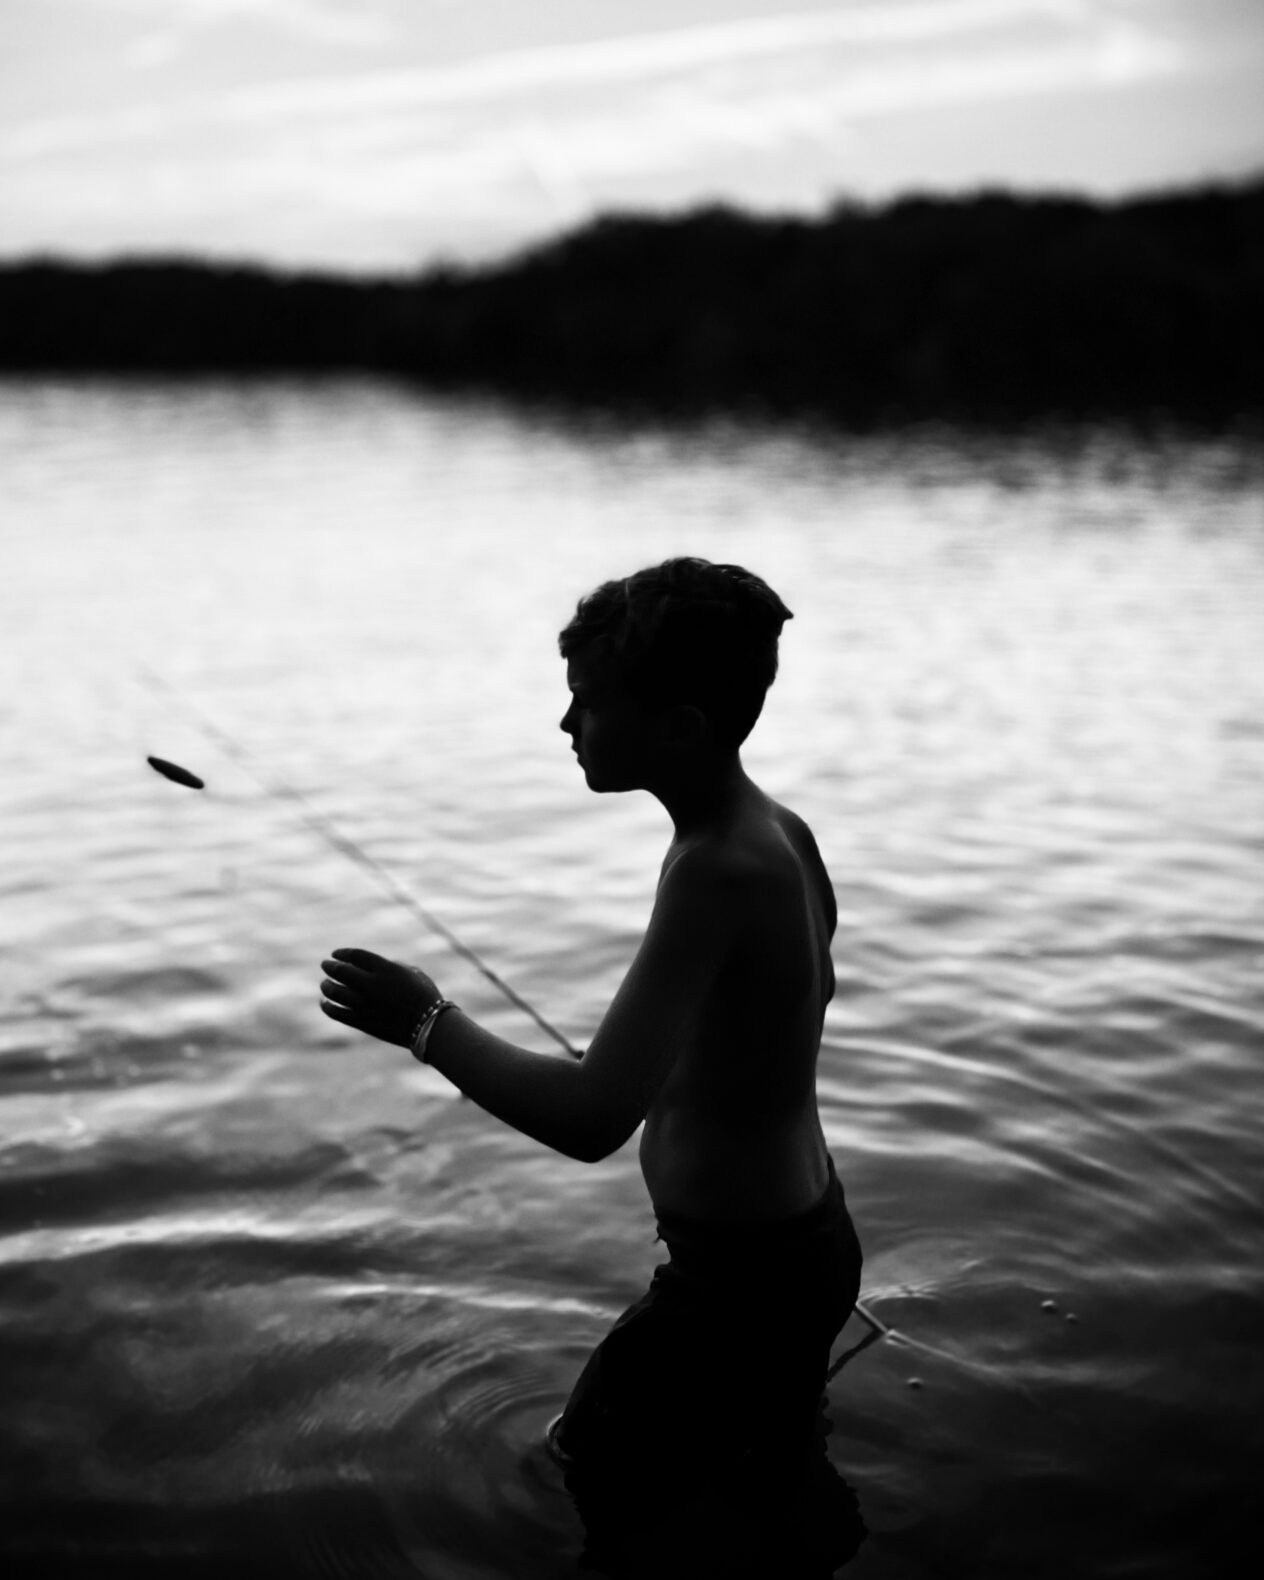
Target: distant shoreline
(988,308)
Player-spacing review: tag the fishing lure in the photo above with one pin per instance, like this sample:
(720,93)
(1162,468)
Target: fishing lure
(173,771)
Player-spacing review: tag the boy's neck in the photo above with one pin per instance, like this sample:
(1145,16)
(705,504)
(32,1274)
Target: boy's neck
(706,799)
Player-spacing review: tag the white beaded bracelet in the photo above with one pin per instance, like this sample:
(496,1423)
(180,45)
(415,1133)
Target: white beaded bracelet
(421,1036)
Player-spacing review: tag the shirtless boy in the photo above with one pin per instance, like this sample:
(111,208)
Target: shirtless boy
(711,1040)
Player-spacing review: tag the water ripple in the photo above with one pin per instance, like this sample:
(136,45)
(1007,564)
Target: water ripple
(271,1290)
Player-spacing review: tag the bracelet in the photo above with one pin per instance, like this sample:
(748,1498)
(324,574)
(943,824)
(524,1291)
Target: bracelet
(421,1033)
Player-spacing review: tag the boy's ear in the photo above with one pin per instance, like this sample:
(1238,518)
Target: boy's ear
(684,726)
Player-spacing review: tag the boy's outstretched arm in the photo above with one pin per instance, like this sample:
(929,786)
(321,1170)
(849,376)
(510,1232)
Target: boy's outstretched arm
(588,1109)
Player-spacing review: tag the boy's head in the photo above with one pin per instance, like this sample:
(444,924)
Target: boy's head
(685,631)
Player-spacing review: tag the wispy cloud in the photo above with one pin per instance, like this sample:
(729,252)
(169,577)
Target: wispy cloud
(803,42)
(636,56)
(320,21)
(672,127)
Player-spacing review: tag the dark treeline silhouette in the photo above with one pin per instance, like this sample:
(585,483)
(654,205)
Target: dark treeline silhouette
(990,307)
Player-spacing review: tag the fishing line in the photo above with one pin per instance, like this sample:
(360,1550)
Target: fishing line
(344,845)
(877,1330)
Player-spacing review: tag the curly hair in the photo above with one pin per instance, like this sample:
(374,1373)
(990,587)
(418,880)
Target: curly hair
(686,631)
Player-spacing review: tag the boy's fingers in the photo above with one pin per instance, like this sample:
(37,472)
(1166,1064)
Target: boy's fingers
(341,971)
(339,992)
(362,959)
(336,1012)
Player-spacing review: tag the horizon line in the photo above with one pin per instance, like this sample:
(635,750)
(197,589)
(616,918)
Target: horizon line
(1229,185)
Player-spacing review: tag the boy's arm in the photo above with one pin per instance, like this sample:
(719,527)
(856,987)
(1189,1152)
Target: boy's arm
(587,1110)
(541,1094)
(655,1015)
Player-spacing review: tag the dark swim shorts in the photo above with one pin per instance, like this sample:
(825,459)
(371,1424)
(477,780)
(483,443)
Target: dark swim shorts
(728,1349)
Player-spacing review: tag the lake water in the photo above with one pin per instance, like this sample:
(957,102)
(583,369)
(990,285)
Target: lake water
(273,1294)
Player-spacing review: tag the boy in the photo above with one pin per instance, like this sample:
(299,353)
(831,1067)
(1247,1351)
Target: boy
(711,1040)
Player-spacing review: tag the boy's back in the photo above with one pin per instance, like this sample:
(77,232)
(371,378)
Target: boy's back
(733,1134)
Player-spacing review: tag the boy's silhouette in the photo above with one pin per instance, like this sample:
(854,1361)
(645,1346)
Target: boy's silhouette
(711,1041)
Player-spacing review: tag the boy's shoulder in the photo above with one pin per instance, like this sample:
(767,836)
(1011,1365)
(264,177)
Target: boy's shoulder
(767,850)
(769,863)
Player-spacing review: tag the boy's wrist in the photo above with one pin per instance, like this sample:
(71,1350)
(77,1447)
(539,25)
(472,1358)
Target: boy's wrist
(421,1031)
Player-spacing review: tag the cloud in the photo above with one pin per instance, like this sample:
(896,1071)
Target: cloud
(629,57)
(314,21)
(553,132)
(151,50)
(429,157)
(798,43)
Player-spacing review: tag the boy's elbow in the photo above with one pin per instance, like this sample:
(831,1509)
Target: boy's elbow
(585,1153)
(595,1148)
(599,1139)
(602,1122)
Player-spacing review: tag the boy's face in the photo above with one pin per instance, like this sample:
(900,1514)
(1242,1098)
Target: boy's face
(612,734)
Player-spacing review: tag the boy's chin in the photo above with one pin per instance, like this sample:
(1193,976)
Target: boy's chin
(603,784)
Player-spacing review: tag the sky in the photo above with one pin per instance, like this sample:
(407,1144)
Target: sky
(383,135)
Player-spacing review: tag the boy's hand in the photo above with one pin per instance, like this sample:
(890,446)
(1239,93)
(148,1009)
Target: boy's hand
(379,997)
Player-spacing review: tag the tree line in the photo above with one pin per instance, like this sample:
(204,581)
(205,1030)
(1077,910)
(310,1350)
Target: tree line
(993,306)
